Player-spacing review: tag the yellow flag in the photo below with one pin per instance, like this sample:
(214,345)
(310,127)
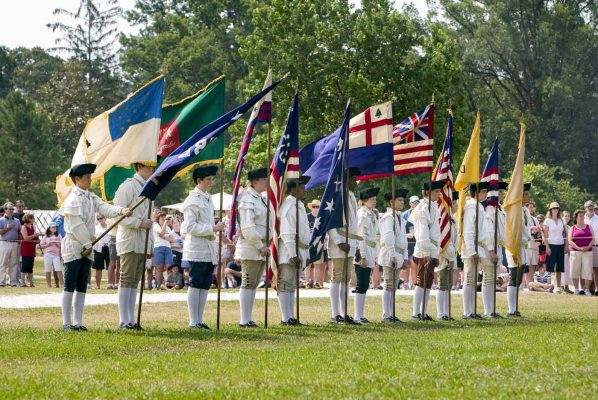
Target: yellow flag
(469,172)
(512,203)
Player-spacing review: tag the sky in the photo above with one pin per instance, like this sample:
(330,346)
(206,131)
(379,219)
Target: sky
(24,21)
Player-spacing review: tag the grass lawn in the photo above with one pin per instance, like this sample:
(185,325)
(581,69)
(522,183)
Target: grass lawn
(551,353)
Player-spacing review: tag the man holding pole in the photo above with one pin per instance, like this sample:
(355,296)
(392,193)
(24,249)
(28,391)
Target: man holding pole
(342,245)
(293,246)
(393,250)
(199,247)
(251,248)
(79,210)
(426,223)
(475,253)
(131,241)
(447,262)
(367,229)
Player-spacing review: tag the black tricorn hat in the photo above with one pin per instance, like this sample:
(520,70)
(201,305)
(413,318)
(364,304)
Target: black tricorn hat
(369,193)
(502,185)
(294,182)
(435,185)
(354,171)
(258,173)
(204,172)
(527,186)
(82,169)
(475,187)
(398,194)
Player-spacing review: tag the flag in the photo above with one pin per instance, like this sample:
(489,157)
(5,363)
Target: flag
(491,175)
(443,172)
(125,134)
(262,113)
(370,147)
(179,121)
(185,154)
(332,211)
(469,172)
(285,165)
(512,203)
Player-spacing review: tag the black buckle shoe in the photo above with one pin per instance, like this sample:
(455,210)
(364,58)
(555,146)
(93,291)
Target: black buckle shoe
(387,320)
(80,328)
(337,320)
(350,321)
(477,316)
(68,328)
(294,322)
(515,314)
(364,320)
(417,317)
(470,316)
(427,318)
(496,315)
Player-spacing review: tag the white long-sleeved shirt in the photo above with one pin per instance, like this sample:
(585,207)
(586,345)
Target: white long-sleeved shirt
(426,229)
(129,236)
(288,224)
(490,213)
(198,228)
(105,241)
(337,236)
(469,230)
(393,239)
(79,211)
(367,228)
(252,223)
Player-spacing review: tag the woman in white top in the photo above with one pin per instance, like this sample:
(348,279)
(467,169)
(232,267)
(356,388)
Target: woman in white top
(555,233)
(566,217)
(162,258)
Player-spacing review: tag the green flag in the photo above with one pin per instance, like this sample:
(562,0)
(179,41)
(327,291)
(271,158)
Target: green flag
(179,121)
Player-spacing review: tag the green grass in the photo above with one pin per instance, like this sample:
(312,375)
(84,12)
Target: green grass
(551,353)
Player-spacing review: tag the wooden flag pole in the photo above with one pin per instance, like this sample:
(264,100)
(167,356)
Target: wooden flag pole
(219,266)
(299,258)
(147,233)
(477,259)
(346,212)
(427,265)
(267,283)
(394,230)
(494,314)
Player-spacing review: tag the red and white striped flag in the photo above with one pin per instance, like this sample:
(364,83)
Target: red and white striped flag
(444,173)
(285,165)
(262,113)
(413,140)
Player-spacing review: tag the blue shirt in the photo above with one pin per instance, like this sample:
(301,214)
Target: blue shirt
(13,233)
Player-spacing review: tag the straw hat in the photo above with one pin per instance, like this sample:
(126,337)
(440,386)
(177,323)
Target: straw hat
(554,204)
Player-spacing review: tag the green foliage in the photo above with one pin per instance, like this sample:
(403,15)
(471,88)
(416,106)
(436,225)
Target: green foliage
(554,183)
(27,165)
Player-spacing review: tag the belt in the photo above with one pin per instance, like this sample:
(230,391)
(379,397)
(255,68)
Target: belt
(303,246)
(371,243)
(351,235)
(435,243)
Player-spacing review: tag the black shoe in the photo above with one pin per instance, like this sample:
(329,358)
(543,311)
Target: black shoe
(350,321)
(294,322)
(445,318)
(417,317)
(582,292)
(514,314)
(396,320)
(477,316)
(252,324)
(68,328)
(123,326)
(353,290)
(337,320)
(203,326)
(363,321)
(427,318)
(388,320)
(80,328)
(496,315)
(285,323)
(470,316)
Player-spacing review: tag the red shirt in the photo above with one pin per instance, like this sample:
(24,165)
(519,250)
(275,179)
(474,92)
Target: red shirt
(28,247)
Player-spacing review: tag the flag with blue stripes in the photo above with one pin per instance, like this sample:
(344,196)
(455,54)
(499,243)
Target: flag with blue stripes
(491,175)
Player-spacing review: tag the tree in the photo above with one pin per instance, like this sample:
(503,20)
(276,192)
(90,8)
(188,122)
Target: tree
(92,34)
(536,60)
(27,166)
(7,66)
(34,68)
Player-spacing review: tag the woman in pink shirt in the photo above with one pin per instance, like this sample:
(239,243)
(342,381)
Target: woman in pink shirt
(50,244)
(581,242)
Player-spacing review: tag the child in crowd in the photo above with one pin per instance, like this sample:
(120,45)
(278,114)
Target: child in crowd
(174,279)
(50,245)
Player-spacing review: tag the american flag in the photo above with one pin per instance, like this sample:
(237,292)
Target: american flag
(444,172)
(262,113)
(491,175)
(285,165)
(413,140)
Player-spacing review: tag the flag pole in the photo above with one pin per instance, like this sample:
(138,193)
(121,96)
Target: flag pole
(346,212)
(495,252)
(147,233)
(423,309)
(297,250)
(267,283)
(477,260)
(219,267)
(394,230)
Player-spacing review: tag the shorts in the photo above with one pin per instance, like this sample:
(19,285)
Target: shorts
(27,264)
(363,278)
(556,259)
(162,256)
(101,259)
(425,271)
(52,263)
(76,275)
(112,249)
(200,274)
(531,256)
(581,264)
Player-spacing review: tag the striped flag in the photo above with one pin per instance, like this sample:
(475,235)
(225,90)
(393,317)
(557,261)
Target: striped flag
(261,114)
(491,175)
(413,140)
(285,165)
(443,172)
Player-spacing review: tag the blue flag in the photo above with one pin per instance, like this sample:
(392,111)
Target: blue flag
(186,152)
(331,214)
